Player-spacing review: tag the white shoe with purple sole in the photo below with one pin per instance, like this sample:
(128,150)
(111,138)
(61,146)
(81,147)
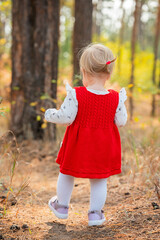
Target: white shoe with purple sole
(61,211)
(96,218)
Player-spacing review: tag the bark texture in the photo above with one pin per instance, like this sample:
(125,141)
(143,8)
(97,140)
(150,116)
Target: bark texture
(82,34)
(35,32)
(121,37)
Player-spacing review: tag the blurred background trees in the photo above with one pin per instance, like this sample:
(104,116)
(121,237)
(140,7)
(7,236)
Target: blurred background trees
(155,50)
(82,33)
(129,27)
(35,34)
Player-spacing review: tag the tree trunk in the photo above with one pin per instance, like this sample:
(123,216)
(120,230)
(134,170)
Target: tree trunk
(141,33)
(97,18)
(35,33)
(133,45)
(82,33)
(157,31)
(17,84)
(121,36)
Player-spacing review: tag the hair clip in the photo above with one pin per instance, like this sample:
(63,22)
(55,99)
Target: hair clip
(111,61)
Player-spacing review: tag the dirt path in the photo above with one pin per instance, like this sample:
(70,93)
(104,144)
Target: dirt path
(128,209)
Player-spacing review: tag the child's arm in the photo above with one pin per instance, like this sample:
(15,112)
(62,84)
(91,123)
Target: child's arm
(120,118)
(68,110)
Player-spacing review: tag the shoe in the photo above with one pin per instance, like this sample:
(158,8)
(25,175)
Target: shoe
(61,211)
(96,218)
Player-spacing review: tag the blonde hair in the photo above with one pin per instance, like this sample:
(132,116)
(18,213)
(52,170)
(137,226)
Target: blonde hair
(94,58)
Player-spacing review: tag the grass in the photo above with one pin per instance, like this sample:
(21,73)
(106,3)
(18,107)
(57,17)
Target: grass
(141,154)
(9,160)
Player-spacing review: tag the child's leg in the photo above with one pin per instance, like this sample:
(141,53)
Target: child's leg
(98,194)
(64,188)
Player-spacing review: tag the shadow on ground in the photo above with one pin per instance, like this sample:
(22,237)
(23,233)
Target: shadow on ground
(60,231)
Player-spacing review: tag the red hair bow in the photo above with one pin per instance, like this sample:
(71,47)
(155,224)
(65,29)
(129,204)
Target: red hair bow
(108,62)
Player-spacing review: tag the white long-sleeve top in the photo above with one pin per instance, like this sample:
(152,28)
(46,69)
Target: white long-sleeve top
(69,108)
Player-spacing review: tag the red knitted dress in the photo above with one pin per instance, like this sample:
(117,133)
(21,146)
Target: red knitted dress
(91,146)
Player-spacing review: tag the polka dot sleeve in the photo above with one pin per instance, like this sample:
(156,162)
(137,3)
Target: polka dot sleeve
(68,110)
(121,112)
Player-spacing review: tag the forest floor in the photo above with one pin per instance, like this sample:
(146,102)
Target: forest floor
(129,211)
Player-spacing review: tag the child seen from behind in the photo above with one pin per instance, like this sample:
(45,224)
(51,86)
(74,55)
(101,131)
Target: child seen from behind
(91,146)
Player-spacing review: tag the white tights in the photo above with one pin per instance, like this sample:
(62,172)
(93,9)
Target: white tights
(98,191)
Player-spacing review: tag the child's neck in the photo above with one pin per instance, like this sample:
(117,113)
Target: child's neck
(95,82)
(96,86)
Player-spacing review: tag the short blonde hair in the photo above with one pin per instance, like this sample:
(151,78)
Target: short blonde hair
(94,57)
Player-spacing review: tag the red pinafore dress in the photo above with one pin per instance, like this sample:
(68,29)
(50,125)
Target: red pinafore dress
(91,146)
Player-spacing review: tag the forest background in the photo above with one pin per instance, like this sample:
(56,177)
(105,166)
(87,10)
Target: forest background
(133,41)
(39,41)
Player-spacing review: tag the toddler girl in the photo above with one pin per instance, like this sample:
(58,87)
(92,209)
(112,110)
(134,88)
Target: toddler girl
(91,147)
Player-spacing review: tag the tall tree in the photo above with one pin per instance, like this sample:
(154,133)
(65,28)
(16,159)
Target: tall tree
(35,30)
(82,32)
(97,18)
(121,36)
(140,25)
(133,46)
(156,42)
